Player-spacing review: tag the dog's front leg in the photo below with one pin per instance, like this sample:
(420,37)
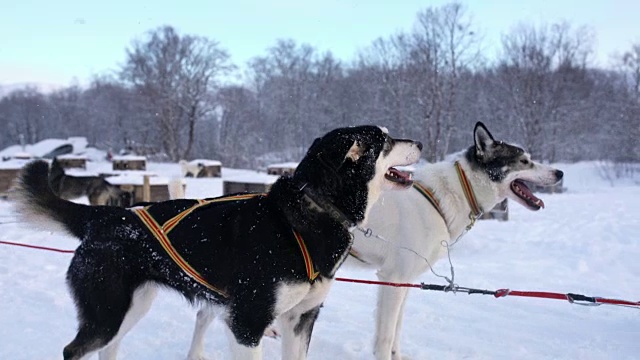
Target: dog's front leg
(242,351)
(296,327)
(395,348)
(205,316)
(388,322)
(247,322)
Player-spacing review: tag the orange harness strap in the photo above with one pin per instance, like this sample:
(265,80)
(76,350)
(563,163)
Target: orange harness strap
(161,236)
(428,194)
(476,211)
(160,232)
(312,274)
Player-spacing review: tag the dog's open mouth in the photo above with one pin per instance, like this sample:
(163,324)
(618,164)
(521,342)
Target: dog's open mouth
(522,191)
(402,178)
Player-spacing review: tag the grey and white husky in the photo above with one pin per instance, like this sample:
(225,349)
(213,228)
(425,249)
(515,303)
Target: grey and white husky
(494,170)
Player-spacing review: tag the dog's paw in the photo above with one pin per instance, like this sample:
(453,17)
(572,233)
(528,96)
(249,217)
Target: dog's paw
(395,356)
(271,332)
(199,357)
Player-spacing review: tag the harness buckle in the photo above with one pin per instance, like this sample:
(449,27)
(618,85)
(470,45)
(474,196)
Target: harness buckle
(473,219)
(368,232)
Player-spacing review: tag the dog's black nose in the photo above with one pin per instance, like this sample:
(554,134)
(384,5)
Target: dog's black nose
(559,175)
(419,145)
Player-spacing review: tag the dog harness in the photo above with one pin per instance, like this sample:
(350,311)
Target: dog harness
(476,211)
(161,232)
(428,194)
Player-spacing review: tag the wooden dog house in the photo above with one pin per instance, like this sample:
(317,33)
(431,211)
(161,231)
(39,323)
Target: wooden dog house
(7,178)
(259,183)
(551,189)
(499,212)
(72,161)
(282,169)
(143,188)
(129,162)
(207,168)
(9,171)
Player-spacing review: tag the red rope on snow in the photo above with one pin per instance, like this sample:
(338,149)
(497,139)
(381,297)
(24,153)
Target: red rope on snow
(572,298)
(37,247)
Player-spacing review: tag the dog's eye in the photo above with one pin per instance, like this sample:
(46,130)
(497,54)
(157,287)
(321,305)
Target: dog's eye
(524,161)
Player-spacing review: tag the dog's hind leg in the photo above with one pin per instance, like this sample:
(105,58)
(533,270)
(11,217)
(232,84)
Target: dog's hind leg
(104,294)
(140,305)
(296,332)
(205,316)
(388,322)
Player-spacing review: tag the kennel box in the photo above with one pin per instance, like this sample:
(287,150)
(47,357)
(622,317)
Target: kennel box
(7,178)
(72,161)
(551,189)
(129,162)
(499,212)
(9,171)
(144,187)
(211,168)
(280,169)
(253,183)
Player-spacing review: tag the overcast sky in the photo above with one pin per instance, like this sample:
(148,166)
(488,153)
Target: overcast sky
(55,42)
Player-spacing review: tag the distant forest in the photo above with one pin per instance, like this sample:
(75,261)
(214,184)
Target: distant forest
(172,98)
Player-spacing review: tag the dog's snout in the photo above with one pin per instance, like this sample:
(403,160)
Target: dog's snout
(559,174)
(419,145)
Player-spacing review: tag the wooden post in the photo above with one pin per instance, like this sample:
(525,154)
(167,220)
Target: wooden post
(146,189)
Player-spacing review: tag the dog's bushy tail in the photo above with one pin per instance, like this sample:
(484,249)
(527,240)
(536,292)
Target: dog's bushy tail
(39,206)
(56,173)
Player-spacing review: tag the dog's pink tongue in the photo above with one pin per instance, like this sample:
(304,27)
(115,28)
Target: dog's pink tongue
(526,193)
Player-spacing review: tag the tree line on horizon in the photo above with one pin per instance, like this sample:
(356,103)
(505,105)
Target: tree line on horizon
(170,101)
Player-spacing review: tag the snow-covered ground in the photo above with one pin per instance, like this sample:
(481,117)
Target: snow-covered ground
(586,241)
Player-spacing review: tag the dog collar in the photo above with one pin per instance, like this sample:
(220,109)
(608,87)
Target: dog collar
(476,211)
(329,208)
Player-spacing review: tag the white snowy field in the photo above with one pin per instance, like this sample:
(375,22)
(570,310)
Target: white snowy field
(586,241)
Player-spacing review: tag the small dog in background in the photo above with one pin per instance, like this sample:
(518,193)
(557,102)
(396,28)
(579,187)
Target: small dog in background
(96,188)
(191,169)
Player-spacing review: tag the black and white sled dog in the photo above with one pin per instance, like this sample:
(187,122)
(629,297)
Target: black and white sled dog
(260,257)
(191,169)
(418,220)
(98,190)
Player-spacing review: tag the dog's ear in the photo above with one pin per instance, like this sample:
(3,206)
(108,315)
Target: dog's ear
(355,151)
(483,139)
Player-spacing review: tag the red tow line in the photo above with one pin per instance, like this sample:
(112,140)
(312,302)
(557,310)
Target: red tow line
(37,247)
(572,298)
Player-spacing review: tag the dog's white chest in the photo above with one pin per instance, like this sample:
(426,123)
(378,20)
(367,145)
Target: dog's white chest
(303,296)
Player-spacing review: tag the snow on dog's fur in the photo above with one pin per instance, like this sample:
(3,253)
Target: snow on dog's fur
(246,254)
